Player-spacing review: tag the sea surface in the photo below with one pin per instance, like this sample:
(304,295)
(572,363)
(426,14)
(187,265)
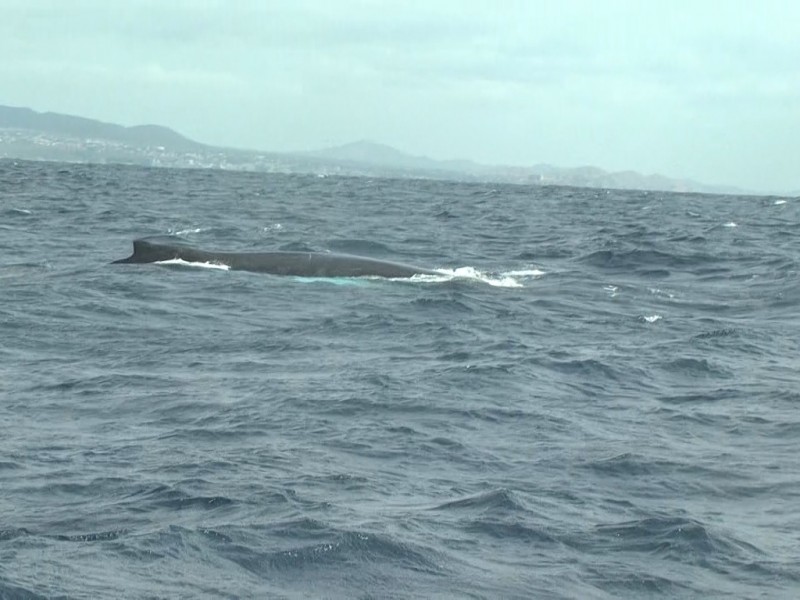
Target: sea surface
(599,396)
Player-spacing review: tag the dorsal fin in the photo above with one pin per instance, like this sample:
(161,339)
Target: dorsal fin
(145,251)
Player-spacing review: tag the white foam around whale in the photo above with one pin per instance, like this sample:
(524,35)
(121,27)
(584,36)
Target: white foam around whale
(202,265)
(510,279)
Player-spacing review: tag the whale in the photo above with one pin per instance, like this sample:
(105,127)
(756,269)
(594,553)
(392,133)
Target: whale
(302,264)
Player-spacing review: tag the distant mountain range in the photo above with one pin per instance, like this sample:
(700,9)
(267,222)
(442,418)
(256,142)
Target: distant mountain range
(80,127)
(373,153)
(27,134)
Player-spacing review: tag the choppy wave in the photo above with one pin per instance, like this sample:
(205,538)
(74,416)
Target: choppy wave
(601,405)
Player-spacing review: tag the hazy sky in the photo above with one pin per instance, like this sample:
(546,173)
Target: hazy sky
(688,88)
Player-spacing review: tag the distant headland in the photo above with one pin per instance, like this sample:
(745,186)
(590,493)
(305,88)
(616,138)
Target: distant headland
(27,134)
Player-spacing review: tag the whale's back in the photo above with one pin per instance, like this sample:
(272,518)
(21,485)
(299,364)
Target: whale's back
(304,264)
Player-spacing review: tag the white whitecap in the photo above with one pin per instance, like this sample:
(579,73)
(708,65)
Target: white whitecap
(185,231)
(201,265)
(652,318)
(660,292)
(730,224)
(779,202)
(525,273)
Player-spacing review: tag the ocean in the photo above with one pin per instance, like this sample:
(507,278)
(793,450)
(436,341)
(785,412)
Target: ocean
(598,398)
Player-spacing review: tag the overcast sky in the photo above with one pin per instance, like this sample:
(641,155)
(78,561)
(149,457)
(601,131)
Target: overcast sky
(703,89)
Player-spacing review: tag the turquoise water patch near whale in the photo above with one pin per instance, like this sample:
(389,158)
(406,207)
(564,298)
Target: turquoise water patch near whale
(348,281)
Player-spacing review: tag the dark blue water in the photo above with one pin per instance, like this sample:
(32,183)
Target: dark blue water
(599,398)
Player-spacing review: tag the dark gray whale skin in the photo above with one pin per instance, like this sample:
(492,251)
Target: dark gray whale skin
(302,264)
